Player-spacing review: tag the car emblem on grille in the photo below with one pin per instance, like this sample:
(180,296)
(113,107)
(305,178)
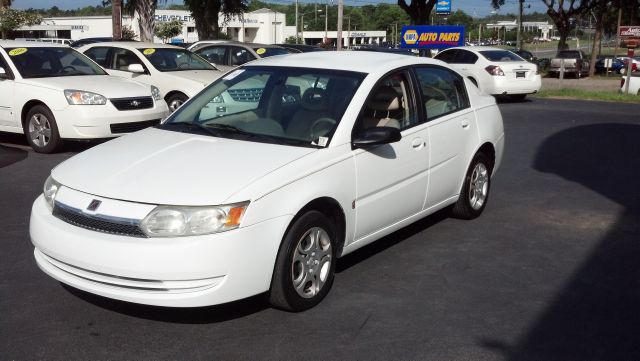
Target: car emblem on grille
(93,206)
(135,103)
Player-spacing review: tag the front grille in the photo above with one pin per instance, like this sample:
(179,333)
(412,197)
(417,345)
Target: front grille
(98,223)
(245,95)
(132,103)
(133,126)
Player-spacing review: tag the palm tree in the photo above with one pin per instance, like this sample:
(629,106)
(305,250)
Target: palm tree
(5,4)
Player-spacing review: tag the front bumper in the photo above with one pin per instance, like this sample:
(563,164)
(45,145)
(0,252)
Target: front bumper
(94,121)
(176,272)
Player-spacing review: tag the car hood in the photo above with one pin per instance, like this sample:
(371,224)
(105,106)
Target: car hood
(109,86)
(164,167)
(204,77)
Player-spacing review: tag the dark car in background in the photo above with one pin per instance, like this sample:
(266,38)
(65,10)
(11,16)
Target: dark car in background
(617,66)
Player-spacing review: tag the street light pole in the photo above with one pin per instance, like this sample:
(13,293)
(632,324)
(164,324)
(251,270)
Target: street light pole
(519,39)
(339,27)
(297,33)
(326,20)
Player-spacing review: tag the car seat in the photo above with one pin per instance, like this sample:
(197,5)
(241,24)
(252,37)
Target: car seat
(383,108)
(313,106)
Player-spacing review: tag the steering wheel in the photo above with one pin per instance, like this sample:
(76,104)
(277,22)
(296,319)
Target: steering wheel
(72,68)
(321,127)
(439,94)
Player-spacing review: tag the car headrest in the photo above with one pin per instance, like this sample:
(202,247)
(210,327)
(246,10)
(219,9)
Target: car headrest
(314,99)
(385,98)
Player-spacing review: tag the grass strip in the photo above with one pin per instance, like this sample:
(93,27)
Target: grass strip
(604,96)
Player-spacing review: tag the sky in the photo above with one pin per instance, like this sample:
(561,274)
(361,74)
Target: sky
(471,7)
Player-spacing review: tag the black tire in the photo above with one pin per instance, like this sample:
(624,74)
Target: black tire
(290,270)
(468,206)
(41,130)
(175,101)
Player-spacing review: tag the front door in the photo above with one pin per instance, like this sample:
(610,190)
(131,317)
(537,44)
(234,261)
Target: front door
(7,85)
(391,179)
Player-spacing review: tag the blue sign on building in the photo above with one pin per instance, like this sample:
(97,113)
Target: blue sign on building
(443,7)
(431,37)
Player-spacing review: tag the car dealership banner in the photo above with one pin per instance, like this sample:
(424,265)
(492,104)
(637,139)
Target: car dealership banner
(431,37)
(443,7)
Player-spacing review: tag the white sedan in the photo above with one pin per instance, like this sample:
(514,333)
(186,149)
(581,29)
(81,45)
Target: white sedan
(634,84)
(178,73)
(51,92)
(331,152)
(495,71)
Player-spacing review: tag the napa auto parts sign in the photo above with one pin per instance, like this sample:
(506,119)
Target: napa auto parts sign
(431,37)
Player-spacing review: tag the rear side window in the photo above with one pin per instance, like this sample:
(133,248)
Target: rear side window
(99,55)
(500,55)
(442,91)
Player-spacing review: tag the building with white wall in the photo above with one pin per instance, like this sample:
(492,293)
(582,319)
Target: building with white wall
(264,26)
(543,27)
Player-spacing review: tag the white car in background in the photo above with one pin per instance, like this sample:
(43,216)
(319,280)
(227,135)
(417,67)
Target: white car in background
(51,92)
(634,83)
(332,151)
(228,54)
(178,73)
(495,71)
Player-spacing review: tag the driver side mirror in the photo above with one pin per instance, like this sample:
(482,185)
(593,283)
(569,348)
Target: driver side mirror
(135,68)
(376,136)
(3,73)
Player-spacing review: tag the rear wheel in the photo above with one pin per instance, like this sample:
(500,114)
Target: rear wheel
(475,189)
(41,130)
(305,266)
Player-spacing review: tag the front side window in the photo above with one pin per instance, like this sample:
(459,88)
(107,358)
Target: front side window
(448,56)
(170,59)
(442,91)
(293,106)
(41,62)
(122,58)
(389,104)
(240,56)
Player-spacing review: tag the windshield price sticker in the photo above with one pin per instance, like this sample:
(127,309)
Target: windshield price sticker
(322,141)
(148,51)
(261,51)
(233,74)
(17,51)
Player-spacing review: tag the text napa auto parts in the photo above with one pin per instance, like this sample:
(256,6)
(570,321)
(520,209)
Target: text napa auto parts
(431,37)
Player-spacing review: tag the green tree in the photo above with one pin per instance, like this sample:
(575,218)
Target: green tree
(11,19)
(168,29)
(205,14)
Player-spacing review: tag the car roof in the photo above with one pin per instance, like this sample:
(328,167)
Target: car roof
(479,48)
(135,45)
(372,62)
(29,44)
(233,42)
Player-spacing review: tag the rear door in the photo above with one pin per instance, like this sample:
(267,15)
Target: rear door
(7,99)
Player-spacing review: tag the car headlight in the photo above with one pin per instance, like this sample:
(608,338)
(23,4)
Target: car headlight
(176,221)
(80,97)
(155,92)
(51,188)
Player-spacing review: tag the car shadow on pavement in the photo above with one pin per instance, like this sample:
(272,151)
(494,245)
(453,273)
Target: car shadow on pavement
(596,316)
(73,146)
(196,315)
(10,155)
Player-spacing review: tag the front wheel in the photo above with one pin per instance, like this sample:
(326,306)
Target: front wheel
(175,101)
(305,266)
(475,189)
(41,130)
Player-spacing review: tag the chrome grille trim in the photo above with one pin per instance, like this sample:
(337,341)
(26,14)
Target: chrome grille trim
(98,222)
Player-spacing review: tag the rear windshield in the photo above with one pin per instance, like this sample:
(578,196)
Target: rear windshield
(568,55)
(265,52)
(500,55)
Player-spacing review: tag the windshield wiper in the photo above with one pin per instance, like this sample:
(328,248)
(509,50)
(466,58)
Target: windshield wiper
(189,126)
(229,128)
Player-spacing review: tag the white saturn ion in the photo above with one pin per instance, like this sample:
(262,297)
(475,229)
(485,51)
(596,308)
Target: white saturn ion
(330,152)
(51,92)
(495,71)
(177,72)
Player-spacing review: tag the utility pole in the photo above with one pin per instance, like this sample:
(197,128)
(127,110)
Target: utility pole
(340,15)
(297,33)
(326,20)
(615,52)
(519,40)
(116,19)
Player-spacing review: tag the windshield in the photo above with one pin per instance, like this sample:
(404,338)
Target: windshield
(265,52)
(169,59)
(41,62)
(500,55)
(294,106)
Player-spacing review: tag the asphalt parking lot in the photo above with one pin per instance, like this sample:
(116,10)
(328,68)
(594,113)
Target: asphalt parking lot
(549,272)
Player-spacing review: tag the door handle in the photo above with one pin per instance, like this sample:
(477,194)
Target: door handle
(465,123)
(418,143)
